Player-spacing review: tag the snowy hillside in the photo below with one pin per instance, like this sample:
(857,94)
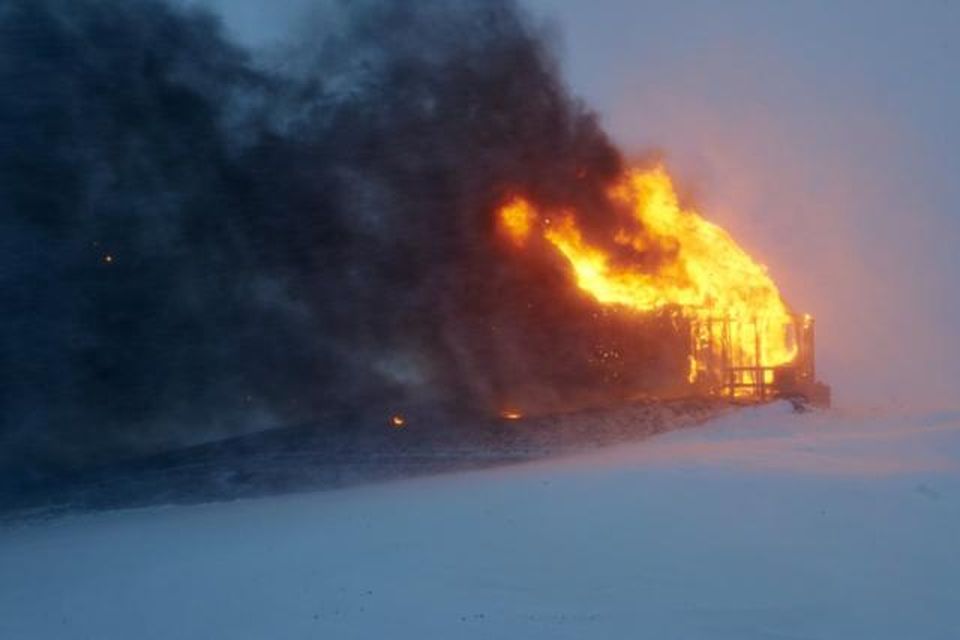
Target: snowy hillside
(763,524)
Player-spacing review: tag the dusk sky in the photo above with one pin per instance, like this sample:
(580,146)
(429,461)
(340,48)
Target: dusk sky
(823,135)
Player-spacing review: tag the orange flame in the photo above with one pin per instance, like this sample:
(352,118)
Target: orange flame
(517,218)
(700,271)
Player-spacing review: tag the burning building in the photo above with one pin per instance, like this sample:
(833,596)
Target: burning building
(725,319)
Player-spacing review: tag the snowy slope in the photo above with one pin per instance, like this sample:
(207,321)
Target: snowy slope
(763,524)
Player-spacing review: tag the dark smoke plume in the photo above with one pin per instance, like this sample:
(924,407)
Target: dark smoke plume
(196,244)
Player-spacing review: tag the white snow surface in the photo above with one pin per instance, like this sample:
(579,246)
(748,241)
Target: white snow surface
(762,524)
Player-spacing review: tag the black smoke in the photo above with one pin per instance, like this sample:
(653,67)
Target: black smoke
(196,242)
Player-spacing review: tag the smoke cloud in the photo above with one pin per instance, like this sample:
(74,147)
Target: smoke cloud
(196,243)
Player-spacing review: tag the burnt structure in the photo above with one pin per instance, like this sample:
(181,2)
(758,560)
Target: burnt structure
(719,369)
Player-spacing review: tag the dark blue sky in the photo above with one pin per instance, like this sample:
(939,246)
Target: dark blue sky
(824,135)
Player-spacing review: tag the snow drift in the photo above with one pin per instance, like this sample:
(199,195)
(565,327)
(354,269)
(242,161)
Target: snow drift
(767,525)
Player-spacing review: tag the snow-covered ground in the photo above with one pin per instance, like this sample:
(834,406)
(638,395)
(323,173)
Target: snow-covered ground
(763,524)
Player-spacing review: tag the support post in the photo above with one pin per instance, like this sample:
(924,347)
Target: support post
(758,380)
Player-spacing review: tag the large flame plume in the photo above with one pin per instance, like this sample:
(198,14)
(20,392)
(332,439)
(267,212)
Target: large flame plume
(663,257)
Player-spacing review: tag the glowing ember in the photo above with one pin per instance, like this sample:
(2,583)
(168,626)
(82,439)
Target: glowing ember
(511,415)
(664,258)
(517,219)
(398,421)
